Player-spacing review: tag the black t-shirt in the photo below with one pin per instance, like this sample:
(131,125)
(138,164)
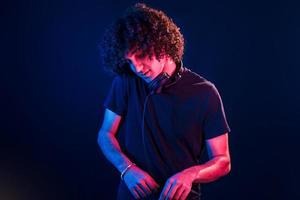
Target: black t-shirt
(177,122)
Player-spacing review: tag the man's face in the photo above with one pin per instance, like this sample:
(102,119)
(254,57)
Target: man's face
(145,67)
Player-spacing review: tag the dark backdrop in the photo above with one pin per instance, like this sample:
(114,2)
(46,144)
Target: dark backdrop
(53,87)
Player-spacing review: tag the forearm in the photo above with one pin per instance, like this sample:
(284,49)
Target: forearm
(209,171)
(112,151)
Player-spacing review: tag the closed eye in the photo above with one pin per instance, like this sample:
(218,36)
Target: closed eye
(128,61)
(141,56)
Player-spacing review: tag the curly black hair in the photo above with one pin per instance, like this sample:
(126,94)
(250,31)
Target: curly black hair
(140,29)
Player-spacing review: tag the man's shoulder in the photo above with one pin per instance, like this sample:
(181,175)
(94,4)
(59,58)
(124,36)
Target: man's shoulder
(193,78)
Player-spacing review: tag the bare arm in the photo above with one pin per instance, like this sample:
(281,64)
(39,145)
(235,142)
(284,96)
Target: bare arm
(179,185)
(219,164)
(108,142)
(139,182)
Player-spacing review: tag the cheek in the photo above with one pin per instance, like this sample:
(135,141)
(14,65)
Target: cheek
(159,66)
(156,68)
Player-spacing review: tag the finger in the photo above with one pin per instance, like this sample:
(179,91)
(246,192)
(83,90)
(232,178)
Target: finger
(172,191)
(135,193)
(151,187)
(140,191)
(179,193)
(150,181)
(165,191)
(153,182)
(184,194)
(144,187)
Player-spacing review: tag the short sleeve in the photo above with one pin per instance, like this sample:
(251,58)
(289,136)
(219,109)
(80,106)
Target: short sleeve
(116,100)
(215,122)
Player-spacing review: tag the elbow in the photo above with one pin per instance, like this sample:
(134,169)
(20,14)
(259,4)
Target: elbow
(101,139)
(228,168)
(105,139)
(225,165)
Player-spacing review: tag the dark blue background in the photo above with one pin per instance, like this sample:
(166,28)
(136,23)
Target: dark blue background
(53,87)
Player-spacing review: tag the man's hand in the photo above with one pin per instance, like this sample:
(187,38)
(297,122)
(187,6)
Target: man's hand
(139,182)
(177,186)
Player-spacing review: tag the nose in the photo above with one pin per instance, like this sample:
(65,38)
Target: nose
(139,69)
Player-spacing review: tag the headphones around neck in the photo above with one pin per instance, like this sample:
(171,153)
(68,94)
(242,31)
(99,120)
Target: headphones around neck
(163,80)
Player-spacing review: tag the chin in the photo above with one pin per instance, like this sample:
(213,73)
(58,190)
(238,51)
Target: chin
(148,79)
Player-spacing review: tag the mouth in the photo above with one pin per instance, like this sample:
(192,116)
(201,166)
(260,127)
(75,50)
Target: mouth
(145,74)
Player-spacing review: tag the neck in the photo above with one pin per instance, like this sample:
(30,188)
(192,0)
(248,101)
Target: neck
(169,67)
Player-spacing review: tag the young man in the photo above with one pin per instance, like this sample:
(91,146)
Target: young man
(159,114)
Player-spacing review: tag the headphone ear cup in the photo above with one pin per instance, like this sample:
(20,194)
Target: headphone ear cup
(156,85)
